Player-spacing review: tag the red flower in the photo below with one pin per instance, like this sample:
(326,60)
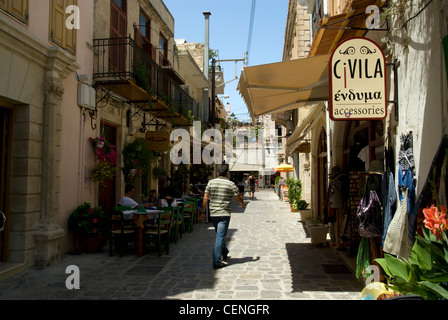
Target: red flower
(436,221)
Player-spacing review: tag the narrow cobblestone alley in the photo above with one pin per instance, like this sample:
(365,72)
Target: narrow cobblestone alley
(270,257)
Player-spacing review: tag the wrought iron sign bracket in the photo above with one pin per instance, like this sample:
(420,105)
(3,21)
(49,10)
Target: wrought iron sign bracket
(395,65)
(152,122)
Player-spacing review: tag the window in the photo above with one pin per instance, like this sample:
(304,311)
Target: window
(16,8)
(59,33)
(145,26)
(163,52)
(145,34)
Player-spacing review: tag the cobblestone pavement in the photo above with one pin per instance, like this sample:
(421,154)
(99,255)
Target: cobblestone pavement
(270,257)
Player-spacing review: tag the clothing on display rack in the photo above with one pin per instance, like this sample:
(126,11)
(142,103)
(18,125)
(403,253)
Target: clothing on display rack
(397,241)
(406,174)
(406,153)
(389,200)
(406,183)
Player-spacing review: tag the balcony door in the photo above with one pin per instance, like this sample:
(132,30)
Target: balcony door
(118,33)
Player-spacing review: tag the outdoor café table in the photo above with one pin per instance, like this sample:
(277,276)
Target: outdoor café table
(139,219)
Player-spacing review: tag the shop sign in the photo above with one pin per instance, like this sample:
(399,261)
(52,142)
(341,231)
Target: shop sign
(158,141)
(357,75)
(304,147)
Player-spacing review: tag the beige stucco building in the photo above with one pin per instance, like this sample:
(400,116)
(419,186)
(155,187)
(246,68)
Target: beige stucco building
(97,69)
(41,61)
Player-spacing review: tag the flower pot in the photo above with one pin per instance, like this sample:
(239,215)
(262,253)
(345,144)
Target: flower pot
(292,208)
(92,243)
(306,214)
(318,233)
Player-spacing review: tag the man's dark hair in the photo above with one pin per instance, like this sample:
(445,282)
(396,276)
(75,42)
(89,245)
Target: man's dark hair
(128,188)
(223,170)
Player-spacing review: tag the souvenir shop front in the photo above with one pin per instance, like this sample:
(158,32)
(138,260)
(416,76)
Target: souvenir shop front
(380,182)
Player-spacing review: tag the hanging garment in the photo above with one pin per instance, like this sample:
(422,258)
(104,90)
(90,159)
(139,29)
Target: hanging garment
(406,182)
(406,153)
(397,241)
(389,201)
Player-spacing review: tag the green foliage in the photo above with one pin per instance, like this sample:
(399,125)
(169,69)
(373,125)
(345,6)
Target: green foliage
(87,220)
(295,194)
(426,271)
(137,159)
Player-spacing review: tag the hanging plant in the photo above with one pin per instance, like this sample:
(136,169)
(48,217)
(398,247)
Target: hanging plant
(137,159)
(159,172)
(106,157)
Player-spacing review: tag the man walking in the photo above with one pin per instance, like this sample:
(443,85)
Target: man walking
(251,183)
(220,192)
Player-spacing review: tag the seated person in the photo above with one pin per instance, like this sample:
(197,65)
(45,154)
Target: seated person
(167,201)
(152,200)
(127,200)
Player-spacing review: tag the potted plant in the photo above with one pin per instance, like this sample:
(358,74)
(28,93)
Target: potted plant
(89,224)
(302,207)
(297,204)
(318,231)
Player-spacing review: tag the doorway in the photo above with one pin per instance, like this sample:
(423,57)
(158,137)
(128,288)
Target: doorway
(107,194)
(5,178)
(322,172)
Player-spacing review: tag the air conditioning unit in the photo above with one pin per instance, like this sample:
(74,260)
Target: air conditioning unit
(86,96)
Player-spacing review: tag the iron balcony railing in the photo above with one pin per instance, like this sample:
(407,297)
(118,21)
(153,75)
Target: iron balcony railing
(121,59)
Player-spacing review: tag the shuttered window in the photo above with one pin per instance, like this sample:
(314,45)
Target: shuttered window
(59,33)
(16,8)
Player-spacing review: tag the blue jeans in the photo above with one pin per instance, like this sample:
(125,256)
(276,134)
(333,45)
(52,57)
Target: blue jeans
(221,225)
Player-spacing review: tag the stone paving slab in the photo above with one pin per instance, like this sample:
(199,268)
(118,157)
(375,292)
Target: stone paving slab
(270,257)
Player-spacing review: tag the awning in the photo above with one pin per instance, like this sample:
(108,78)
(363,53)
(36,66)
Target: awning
(284,167)
(284,85)
(302,130)
(335,29)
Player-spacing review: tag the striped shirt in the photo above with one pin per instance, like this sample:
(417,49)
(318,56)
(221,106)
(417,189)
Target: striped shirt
(221,192)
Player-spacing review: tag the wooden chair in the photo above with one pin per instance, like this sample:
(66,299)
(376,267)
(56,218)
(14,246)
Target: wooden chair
(120,231)
(188,214)
(197,211)
(162,234)
(176,224)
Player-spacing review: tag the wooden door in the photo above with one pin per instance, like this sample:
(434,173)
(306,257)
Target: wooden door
(322,172)
(5,177)
(118,32)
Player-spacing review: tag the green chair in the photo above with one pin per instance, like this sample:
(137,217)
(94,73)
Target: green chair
(162,233)
(176,225)
(188,214)
(196,199)
(120,231)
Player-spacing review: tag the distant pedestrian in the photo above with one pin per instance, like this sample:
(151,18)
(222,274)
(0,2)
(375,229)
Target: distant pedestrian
(220,192)
(241,185)
(251,183)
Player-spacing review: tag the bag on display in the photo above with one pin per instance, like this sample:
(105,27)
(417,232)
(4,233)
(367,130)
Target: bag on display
(370,216)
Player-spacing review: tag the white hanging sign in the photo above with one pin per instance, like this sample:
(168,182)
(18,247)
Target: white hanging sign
(357,75)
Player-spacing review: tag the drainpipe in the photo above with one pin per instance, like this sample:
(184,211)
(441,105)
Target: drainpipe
(206,44)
